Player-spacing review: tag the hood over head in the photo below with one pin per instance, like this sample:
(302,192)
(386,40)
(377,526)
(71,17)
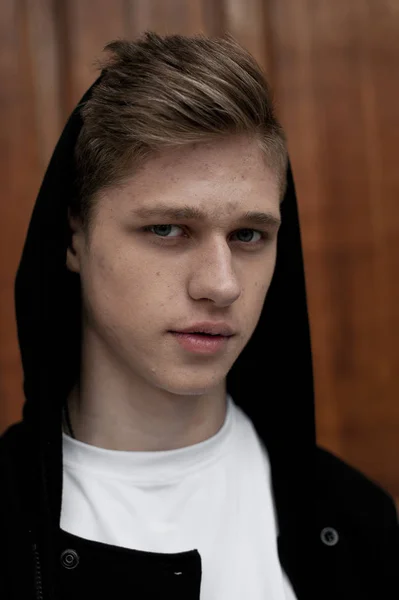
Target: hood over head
(271,380)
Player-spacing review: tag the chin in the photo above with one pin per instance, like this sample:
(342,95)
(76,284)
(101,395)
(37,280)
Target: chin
(199,387)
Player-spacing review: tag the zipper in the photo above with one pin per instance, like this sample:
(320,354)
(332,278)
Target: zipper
(38,574)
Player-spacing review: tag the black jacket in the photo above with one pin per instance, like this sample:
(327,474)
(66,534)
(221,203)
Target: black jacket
(339,533)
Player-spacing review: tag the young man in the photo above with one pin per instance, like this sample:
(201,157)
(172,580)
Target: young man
(167,447)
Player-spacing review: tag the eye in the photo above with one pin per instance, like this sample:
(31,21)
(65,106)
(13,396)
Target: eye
(264,235)
(150,227)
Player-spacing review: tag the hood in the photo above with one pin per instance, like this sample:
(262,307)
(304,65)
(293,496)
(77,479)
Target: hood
(271,380)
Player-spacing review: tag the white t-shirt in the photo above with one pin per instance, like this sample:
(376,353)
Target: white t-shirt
(214,496)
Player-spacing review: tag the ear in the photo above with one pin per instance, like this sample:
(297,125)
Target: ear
(76,244)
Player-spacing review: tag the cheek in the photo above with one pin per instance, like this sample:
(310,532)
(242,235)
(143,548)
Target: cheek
(258,286)
(120,290)
(104,287)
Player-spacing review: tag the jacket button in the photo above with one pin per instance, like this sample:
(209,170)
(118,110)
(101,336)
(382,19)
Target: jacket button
(69,559)
(329,536)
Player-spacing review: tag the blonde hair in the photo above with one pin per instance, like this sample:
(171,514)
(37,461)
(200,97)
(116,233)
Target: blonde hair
(161,92)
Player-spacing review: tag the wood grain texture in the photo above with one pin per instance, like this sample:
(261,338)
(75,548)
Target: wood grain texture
(167,18)
(43,53)
(87,26)
(335,79)
(246,22)
(20,174)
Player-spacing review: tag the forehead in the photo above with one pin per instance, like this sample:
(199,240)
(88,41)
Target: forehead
(236,157)
(203,181)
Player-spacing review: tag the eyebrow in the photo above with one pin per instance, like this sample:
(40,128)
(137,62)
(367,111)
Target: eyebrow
(194,213)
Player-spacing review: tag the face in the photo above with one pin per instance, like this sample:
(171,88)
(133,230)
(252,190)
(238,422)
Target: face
(143,277)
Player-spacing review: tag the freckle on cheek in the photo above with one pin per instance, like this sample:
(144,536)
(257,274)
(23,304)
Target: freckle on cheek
(101,262)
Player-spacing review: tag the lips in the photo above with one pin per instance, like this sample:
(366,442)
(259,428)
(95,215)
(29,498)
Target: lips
(200,343)
(208,327)
(202,334)
(206,334)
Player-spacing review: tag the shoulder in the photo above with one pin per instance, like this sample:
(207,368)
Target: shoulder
(352,492)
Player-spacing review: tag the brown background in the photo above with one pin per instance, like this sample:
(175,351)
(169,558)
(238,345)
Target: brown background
(333,66)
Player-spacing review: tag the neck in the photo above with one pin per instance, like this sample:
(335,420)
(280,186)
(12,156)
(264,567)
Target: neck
(116,410)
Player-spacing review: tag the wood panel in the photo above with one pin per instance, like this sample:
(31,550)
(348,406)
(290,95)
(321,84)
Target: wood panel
(334,70)
(332,66)
(19,174)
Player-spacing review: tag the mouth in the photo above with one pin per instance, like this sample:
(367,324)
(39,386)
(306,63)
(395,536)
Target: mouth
(201,343)
(208,328)
(202,334)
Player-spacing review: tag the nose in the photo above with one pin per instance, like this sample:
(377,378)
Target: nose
(215,277)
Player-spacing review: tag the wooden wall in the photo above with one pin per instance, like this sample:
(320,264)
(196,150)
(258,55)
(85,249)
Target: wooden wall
(333,66)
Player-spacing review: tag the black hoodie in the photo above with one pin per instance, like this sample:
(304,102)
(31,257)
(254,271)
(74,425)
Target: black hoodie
(338,531)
